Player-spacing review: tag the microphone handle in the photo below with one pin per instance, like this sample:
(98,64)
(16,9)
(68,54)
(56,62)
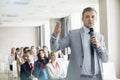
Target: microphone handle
(94,45)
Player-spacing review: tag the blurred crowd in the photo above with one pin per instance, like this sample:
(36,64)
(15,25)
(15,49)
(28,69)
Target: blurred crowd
(37,63)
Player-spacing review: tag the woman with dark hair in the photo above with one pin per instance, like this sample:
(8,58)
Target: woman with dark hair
(43,61)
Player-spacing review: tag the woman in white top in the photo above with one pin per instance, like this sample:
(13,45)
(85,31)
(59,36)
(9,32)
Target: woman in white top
(54,68)
(11,58)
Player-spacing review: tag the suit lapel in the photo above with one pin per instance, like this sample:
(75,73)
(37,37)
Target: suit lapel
(82,39)
(37,66)
(26,68)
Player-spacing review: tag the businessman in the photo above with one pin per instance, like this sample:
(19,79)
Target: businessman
(87,48)
(31,70)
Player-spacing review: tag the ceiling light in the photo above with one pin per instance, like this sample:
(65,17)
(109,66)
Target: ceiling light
(18,2)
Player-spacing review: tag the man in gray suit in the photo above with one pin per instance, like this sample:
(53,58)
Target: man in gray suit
(79,42)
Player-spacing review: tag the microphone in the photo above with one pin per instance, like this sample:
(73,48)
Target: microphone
(92,33)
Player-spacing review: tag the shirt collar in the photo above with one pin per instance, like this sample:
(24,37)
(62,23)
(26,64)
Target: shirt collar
(86,30)
(31,62)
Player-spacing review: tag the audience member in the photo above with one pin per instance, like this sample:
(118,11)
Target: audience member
(45,48)
(43,61)
(11,58)
(54,68)
(38,48)
(17,53)
(31,70)
(34,49)
(20,60)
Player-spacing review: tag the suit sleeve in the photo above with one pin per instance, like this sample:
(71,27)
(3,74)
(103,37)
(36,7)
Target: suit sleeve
(102,51)
(57,44)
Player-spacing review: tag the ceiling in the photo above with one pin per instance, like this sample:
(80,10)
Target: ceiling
(12,11)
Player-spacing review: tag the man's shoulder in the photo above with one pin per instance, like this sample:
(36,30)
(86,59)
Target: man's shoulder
(25,63)
(74,31)
(37,62)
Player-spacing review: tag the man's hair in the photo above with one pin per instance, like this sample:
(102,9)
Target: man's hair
(45,46)
(25,48)
(17,49)
(88,9)
(38,55)
(28,51)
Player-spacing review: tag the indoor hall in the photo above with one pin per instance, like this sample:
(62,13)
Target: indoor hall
(31,23)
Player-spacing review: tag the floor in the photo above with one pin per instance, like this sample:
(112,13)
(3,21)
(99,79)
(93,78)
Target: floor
(8,76)
(3,77)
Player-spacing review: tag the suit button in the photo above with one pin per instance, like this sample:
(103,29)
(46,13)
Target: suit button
(52,42)
(80,66)
(82,56)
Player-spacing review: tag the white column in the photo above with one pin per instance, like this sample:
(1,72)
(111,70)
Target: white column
(109,27)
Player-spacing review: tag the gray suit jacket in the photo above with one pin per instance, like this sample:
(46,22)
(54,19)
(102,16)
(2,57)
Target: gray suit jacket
(74,40)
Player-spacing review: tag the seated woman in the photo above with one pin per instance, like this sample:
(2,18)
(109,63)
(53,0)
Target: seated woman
(43,61)
(54,68)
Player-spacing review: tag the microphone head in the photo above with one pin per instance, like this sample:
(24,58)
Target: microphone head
(91,32)
(91,29)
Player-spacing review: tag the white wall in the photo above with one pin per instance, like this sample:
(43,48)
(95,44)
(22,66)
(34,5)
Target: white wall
(24,23)
(76,18)
(113,30)
(16,37)
(47,34)
(76,21)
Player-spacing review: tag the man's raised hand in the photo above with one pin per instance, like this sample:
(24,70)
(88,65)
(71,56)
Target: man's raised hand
(57,30)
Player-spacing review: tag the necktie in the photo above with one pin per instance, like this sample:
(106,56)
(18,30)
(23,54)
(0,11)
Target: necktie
(92,53)
(31,67)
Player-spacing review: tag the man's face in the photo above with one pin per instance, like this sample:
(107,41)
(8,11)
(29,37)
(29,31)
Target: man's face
(89,19)
(28,57)
(45,50)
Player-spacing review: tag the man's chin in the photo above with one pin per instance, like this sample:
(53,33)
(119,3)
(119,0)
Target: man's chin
(90,26)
